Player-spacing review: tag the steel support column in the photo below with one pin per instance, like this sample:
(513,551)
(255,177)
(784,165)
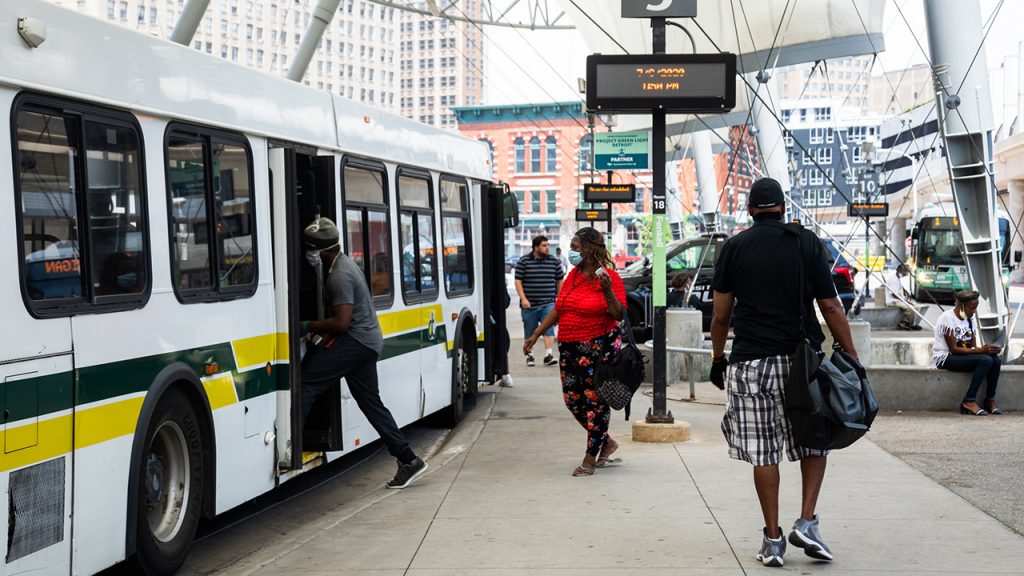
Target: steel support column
(188,22)
(768,132)
(965,110)
(322,16)
(707,183)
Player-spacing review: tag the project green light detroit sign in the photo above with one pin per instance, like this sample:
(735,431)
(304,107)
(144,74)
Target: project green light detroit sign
(622,150)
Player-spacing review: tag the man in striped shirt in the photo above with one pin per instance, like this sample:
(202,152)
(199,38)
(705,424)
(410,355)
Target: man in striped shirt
(538,280)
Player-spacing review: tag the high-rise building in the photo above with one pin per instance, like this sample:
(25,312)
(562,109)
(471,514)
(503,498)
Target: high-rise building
(896,91)
(845,81)
(393,59)
(441,64)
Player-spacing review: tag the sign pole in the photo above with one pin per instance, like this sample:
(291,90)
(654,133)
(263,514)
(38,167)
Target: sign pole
(659,414)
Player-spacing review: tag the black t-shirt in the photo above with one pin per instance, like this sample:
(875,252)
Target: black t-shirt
(759,267)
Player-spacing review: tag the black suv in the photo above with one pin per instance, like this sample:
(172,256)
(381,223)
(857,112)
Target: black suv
(693,256)
(697,257)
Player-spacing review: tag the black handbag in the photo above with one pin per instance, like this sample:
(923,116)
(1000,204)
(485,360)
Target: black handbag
(618,380)
(829,402)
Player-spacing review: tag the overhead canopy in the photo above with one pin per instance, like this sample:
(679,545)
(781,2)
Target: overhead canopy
(763,33)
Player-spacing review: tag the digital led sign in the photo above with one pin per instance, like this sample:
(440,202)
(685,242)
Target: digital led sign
(600,215)
(868,209)
(693,83)
(609,192)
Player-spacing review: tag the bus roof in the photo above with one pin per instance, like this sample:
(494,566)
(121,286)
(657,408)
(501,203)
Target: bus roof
(88,58)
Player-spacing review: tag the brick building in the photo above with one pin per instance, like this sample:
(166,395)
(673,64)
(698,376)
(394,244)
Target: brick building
(544,151)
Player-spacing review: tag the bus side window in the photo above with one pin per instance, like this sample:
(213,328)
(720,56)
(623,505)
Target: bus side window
(416,235)
(456,238)
(212,212)
(74,195)
(367,230)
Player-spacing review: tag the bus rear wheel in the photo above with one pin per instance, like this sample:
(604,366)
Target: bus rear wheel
(170,486)
(464,382)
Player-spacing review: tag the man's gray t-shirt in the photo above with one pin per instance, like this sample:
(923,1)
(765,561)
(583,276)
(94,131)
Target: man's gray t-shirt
(346,285)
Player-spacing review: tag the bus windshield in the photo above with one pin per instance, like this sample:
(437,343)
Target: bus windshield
(941,247)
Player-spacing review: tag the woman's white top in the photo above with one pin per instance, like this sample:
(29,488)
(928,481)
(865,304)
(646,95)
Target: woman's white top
(949,323)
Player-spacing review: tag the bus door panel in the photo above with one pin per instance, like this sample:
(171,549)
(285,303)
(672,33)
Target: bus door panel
(308,187)
(286,261)
(37,410)
(492,250)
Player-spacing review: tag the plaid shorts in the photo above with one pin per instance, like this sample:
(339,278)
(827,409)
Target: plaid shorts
(755,424)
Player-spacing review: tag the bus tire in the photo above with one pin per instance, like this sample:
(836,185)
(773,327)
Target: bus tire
(170,483)
(463,381)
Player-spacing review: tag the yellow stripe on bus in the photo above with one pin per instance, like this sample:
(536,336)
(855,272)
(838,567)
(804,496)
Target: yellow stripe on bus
(53,438)
(220,391)
(406,320)
(102,423)
(255,351)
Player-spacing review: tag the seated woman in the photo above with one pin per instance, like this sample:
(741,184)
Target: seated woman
(956,349)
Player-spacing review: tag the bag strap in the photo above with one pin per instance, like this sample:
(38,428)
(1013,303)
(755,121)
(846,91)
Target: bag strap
(797,230)
(628,329)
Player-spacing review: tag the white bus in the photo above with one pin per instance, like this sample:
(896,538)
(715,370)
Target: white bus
(152,199)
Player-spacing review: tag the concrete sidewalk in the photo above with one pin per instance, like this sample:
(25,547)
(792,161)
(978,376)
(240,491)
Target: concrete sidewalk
(499,500)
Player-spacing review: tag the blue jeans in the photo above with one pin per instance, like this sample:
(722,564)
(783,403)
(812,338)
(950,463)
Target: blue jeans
(984,366)
(532,317)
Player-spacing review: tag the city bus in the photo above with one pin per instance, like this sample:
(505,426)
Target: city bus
(152,200)
(936,258)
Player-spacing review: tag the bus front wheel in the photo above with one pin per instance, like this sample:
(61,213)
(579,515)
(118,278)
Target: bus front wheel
(170,486)
(463,381)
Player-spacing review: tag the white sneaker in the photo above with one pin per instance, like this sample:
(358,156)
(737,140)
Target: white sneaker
(506,381)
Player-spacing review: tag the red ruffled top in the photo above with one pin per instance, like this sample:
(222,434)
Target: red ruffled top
(582,309)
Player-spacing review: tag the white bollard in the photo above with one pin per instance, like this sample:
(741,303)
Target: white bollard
(861,332)
(684,329)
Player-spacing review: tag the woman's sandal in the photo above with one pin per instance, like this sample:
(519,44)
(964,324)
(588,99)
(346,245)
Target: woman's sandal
(978,412)
(605,461)
(582,470)
(992,408)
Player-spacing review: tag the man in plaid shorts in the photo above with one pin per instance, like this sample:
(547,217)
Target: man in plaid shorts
(758,283)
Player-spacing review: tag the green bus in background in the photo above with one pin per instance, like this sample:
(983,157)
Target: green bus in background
(936,257)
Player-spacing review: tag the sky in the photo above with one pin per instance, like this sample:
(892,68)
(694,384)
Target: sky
(526,66)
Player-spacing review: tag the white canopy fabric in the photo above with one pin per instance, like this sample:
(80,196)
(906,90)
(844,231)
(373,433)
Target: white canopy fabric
(763,33)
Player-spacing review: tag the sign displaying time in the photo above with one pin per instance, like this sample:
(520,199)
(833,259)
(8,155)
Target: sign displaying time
(680,83)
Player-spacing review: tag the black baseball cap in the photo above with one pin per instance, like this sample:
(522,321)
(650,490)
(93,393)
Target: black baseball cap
(766,193)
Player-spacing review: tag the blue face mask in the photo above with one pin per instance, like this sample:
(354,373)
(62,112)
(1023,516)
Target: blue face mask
(575,257)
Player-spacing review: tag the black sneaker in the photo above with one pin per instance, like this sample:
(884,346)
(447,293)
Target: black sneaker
(530,361)
(549,360)
(407,473)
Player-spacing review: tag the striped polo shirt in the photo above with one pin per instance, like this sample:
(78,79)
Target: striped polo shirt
(539,276)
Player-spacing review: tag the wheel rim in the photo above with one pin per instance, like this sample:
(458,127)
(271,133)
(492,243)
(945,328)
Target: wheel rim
(167,477)
(465,368)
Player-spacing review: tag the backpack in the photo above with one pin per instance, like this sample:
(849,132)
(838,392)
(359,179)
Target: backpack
(618,380)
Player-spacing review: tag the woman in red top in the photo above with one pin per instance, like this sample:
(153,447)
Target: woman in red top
(587,311)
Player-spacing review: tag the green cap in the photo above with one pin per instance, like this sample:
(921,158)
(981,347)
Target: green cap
(322,233)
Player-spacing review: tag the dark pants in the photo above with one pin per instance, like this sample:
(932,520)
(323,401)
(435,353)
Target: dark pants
(347,358)
(984,366)
(578,363)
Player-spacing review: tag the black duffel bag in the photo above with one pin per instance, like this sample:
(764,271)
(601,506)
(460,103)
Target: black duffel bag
(829,402)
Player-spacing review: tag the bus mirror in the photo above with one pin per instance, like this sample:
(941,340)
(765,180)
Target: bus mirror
(1017,257)
(511,210)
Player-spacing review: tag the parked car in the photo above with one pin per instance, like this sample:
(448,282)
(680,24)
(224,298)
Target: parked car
(697,257)
(510,263)
(842,274)
(694,256)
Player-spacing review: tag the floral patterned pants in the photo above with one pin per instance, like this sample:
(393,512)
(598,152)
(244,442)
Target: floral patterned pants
(578,362)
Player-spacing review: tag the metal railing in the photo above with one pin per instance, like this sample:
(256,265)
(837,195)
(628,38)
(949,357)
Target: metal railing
(691,370)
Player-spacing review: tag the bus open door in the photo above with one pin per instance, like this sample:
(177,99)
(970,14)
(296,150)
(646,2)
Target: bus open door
(303,188)
(500,212)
